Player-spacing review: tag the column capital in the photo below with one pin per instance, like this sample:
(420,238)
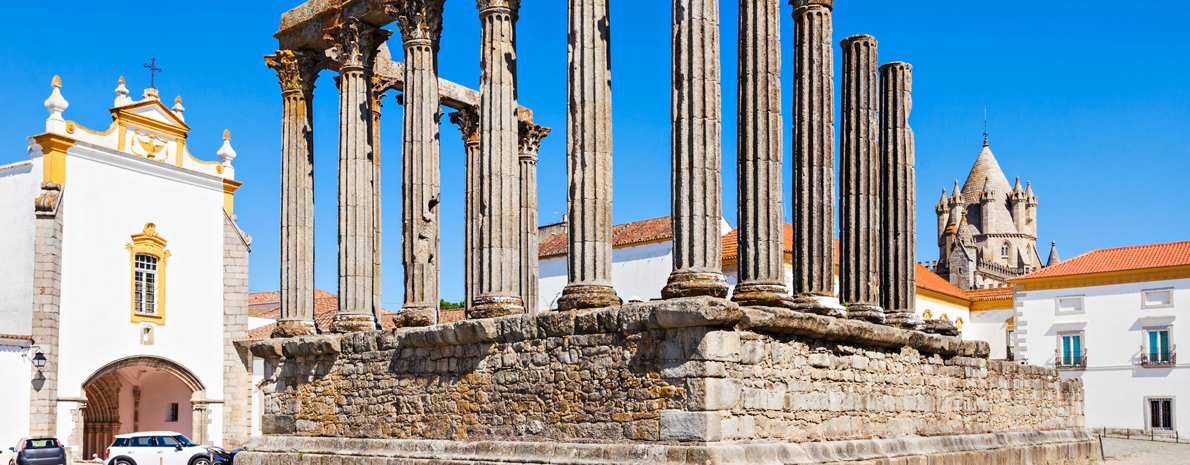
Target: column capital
(497,6)
(467,120)
(800,5)
(530,139)
(296,70)
(355,44)
(418,20)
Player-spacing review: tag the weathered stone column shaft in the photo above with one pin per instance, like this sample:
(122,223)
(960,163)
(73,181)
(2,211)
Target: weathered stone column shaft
(761,255)
(296,72)
(589,158)
(898,280)
(696,159)
(859,216)
(814,164)
(468,122)
(357,44)
(530,142)
(377,210)
(421,25)
(499,187)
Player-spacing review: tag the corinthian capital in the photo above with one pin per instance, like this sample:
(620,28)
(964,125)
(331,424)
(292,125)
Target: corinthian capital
(530,138)
(467,120)
(418,19)
(356,44)
(296,70)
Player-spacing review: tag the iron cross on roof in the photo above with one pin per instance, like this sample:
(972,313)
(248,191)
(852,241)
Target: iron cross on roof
(153,70)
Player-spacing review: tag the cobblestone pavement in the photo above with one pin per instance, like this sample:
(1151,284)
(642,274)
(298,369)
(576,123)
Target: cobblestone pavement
(1135,452)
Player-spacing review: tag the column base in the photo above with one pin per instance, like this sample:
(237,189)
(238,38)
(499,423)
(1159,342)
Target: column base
(904,320)
(940,326)
(491,306)
(410,317)
(764,295)
(291,328)
(583,296)
(818,305)
(695,284)
(864,312)
(351,322)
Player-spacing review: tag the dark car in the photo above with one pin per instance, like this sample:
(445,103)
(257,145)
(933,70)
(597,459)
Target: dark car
(40,451)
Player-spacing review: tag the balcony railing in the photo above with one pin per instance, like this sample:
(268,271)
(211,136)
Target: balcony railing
(1157,358)
(1070,360)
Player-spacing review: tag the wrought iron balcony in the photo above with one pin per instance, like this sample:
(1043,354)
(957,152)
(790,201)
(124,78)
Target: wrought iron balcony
(1158,358)
(1070,360)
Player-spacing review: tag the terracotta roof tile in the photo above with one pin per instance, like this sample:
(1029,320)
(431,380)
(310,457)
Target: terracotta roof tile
(995,293)
(16,336)
(635,232)
(261,298)
(926,279)
(1118,259)
(325,306)
(731,246)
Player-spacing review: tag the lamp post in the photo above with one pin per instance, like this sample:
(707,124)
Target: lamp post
(39,360)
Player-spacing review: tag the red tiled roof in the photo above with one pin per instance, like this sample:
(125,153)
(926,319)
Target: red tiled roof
(995,293)
(16,336)
(622,234)
(926,279)
(325,305)
(731,246)
(261,298)
(1118,259)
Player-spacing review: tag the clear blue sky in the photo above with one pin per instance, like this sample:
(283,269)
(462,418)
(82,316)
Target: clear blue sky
(1091,102)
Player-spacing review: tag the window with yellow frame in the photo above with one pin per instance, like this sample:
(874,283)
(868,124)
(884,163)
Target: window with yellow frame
(148,256)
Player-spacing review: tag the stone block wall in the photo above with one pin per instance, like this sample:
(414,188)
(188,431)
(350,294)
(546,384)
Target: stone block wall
(237,361)
(689,371)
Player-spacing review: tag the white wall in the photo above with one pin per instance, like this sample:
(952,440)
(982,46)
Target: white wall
(1113,320)
(639,271)
(939,307)
(14,393)
(18,189)
(990,326)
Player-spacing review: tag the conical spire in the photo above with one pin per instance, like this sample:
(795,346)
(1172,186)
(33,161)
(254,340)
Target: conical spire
(1017,187)
(1053,260)
(987,167)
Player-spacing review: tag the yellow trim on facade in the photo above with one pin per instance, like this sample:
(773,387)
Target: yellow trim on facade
(998,304)
(229,192)
(53,159)
(1103,279)
(941,298)
(71,126)
(125,115)
(1011,322)
(149,243)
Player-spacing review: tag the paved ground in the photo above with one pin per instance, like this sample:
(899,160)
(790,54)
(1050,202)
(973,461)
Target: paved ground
(1134,452)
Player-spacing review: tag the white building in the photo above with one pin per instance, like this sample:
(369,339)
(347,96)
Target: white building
(124,271)
(642,261)
(1111,318)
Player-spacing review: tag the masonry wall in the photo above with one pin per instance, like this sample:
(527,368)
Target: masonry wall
(698,371)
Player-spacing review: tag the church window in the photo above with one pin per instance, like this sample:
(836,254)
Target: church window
(1004,250)
(148,259)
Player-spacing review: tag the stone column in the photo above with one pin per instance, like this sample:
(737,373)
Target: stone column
(589,159)
(47,297)
(758,132)
(898,278)
(468,122)
(813,160)
(695,184)
(499,188)
(297,72)
(421,26)
(377,224)
(356,47)
(530,141)
(859,217)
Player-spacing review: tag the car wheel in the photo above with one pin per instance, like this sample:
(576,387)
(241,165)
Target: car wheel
(122,462)
(200,461)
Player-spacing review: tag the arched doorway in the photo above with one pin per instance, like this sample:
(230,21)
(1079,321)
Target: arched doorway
(140,393)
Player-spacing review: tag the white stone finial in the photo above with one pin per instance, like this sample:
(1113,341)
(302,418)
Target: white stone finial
(56,105)
(178,108)
(122,97)
(150,94)
(226,153)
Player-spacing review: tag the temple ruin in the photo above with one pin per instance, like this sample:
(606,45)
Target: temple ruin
(771,375)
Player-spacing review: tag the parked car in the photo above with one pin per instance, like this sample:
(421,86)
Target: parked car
(8,456)
(156,448)
(38,451)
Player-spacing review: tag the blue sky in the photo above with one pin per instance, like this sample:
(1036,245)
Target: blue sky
(1091,102)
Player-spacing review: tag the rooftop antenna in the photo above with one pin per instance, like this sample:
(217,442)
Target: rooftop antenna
(985,126)
(153,70)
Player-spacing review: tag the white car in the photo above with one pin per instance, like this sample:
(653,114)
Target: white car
(156,448)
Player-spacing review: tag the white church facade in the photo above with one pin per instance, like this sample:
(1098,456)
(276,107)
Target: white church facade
(124,282)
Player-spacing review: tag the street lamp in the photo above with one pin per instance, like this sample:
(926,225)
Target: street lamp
(39,360)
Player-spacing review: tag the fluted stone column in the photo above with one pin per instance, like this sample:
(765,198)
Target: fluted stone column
(530,136)
(356,47)
(813,160)
(758,132)
(898,278)
(499,188)
(589,159)
(297,72)
(377,224)
(468,122)
(859,217)
(696,159)
(421,25)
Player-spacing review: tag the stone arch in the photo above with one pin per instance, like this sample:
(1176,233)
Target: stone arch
(161,363)
(101,417)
